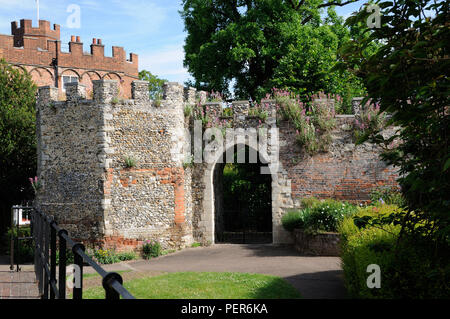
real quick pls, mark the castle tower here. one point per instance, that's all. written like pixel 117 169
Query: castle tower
pixel 43 33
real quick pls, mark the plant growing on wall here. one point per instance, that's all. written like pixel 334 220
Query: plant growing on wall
pixel 313 122
pixel 370 119
pixel 259 111
pixel 130 162
pixel 188 110
pixel 215 97
pixel 228 112
pixel 35 184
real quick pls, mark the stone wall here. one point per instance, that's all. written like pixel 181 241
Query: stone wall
pixel 323 244
pixel 83 146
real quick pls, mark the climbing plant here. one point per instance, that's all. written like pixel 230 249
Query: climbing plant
pixel 313 122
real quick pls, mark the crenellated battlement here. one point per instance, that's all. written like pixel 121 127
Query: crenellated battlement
pixel 38 50
pixel 106 92
pixel 42 33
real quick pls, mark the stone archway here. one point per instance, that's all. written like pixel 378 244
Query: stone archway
pixel 207 219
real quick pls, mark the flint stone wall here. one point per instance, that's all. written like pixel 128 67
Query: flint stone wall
pixel 83 146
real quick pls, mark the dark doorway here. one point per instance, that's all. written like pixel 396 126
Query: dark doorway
pixel 243 203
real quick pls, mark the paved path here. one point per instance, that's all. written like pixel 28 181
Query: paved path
pixel 314 277
pixel 17 285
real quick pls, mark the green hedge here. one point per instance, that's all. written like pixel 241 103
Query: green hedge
pixel 408 270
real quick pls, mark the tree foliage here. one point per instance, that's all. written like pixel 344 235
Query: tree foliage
pixel 408 76
pixel 17 136
pixel 156 84
pixel 261 44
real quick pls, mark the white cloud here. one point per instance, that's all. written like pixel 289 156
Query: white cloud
pixel 166 62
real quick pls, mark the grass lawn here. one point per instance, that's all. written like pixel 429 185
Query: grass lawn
pixel 205 285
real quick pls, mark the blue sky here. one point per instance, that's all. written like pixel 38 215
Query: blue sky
pixel 151 28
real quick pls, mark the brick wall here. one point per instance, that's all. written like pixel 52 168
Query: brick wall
pixel 38 51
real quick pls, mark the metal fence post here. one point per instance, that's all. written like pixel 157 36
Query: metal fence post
pixel 46 255
pixel 11 267
pixel 78 260
pixel 107 281
pixel 40 251
pixel 62 264
pixel 17 240
pixel 52 258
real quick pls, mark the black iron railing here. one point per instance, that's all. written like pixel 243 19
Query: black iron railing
pixel 47 237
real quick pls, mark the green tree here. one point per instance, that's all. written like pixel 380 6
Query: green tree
pixel 17 138
pixel 408 76
pixel 261 44
pixel 156 84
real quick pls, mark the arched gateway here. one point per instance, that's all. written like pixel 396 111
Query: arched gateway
pixel 114 172
pixel 210 197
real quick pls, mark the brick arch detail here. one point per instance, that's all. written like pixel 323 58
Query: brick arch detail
pixel 20 68
pixel 107 76
pixel 44 76
pixel 70 70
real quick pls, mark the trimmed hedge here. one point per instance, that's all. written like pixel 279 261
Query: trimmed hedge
pixel 407 270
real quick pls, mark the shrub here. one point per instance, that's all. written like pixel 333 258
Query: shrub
pixel 407 270
pixel 151 249
pixel 128 255
pixel 387 195
pixel 70 259
pixel 292 220
pixel 363 248
pixel 26 250
pixel 325 215
pixel 318 215
pixel 109 256
pixel 105 256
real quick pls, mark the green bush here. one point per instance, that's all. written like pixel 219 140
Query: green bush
pixel 109 256
pixel 318 215
pixel 26 250
pixel 293 220
pixel 151 249
pixel 406 267
pixel 387 195
pixel 129 255
pixel 69 257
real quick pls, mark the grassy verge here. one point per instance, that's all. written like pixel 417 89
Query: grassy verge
pixel 205 285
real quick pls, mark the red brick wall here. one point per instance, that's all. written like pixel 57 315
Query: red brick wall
pixel 21 48
pixel 346 172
